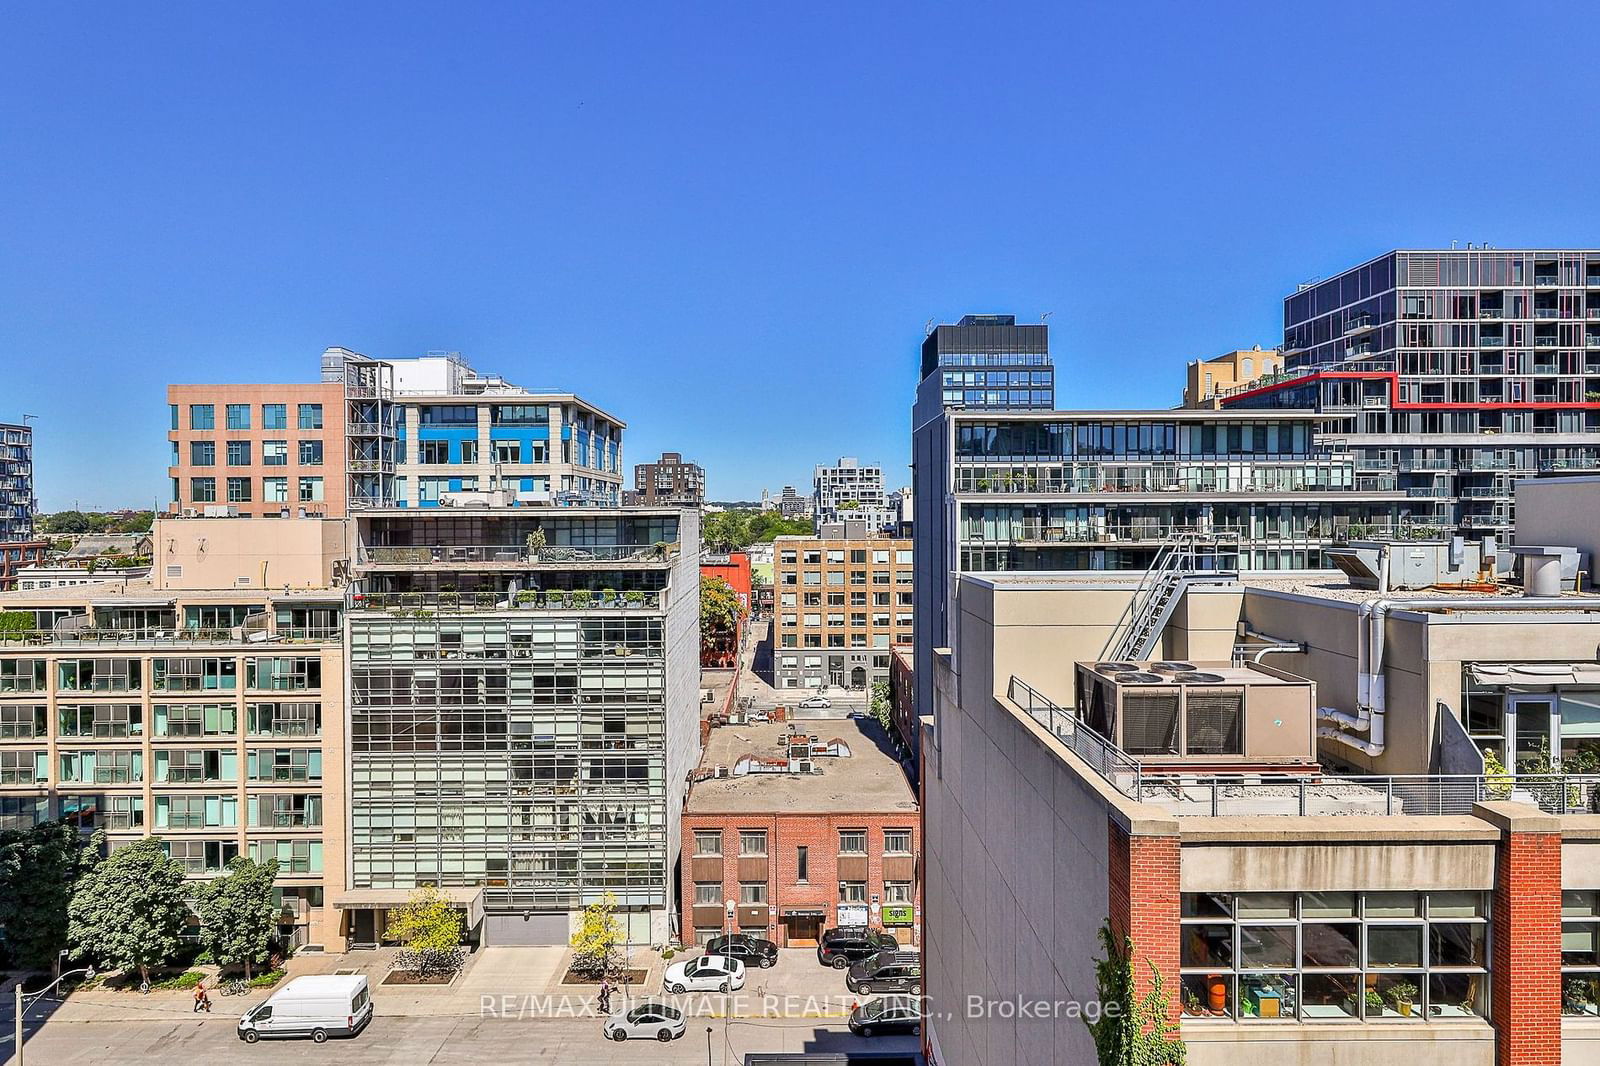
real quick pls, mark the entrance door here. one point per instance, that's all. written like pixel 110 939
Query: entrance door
pixel 364 928
pixel 858 677
pixel 803 930
pixel 1534 726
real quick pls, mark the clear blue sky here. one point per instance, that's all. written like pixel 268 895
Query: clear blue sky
pixel 728 223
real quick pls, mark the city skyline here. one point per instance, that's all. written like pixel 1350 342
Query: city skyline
pixel 566 207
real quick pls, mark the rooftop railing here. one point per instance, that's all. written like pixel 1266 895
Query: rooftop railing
pixel 1301 795
pixel 456 554
pixel 528 599
pixel 166 638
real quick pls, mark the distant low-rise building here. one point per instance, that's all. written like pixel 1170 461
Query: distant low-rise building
pixel 15 555
pixel 843 600
pixel 1208 378
pixel 669 479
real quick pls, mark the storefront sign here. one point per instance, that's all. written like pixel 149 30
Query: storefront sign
pixel 853 914
pixel 898 914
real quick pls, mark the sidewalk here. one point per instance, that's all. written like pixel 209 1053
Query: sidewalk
pixel 492 973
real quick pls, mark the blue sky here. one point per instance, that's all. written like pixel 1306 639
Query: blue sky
pixel 729 223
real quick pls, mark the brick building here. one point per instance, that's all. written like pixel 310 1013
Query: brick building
pixel 734 569
pixel 670 479
pixel 793 828
pixel 903 700
pixel 843 599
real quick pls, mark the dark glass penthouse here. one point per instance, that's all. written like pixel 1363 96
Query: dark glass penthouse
pixel 989 361
pixel 1449 374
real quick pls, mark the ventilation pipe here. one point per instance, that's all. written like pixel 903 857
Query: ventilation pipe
pixel 1371 704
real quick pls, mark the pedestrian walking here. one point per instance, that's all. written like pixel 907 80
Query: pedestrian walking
pixel 202 999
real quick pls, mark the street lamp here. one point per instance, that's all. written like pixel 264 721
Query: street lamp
pixel 24 1000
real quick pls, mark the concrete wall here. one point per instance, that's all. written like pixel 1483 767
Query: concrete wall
pixel 683 697
pixel 225 553
pixel 1562 511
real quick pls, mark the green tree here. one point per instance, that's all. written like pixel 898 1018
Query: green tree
pixel 594 945
pixel 879 703
pixel 428 927
pixel 1132 1031
pixel 130 911
pixel 720 611
pixel 38 868
pixel 15 621
pixel 64 522
pixel 239 919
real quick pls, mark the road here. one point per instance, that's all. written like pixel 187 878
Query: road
pixel 416 1041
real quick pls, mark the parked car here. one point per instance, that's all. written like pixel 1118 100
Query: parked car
pixel 317 1006
pixel 887 971
pixel 887 1015
pixel 645 1021
pixel 708 973
pixel 845 944
pixel 814 701
pixel 750 950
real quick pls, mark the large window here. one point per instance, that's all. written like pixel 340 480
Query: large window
pixel 284 719
pixel 202 416
pixel 753 842
pixel 708 842
pixel 203 489
pixel 1580 954
pixel 293 674
pixel 193 675
pixel 274 416
pixel 238 416
pixel 441 414
pixel 275 453
pixel 202 453
pixel 1401 957
pixel 238 490
pixel 311 416
pixel 22 675
pixel 98 675
pixel 311 453
pixel 22 721
pixel 104 720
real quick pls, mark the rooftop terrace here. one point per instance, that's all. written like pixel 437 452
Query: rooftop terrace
pixel 869 779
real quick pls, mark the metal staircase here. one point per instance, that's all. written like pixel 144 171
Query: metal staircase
pixel 1183 558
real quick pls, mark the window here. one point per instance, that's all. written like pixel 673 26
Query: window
pixel 193 675
pixel 802 863
pixel 1402 957
pixel 852 891
pixel 98 675
pixel 507 451
pixel 202 416
pixel 284 764
pixel 23 767
pixel 469 452
pixel 274 490
pixel 897 842
pixel 238 490
pixel 274 453
pixel 202 856
pixel 310 416
pixel 708 893
pixel 753 842
pixel 102 767
pixel 519 414
pixel 274 416
pixel 22 721
pixel 433 452
pixel 852 842
pixel 311 453
pixel 448 414
pixel 202 453
pixel 311 490
pixel 238 453
pixel 104 720
pixel 708 842
pixel 238 416
pixel 22 675
pixel 196 719
pixel 203 489
pixel 897 891
pixel 172 413
pixel 1580 954
pixel 197 812
pixel 752 892
pixel 196 765
pixel 288 674
pixel 284 719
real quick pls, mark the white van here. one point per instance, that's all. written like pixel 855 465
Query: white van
pixel 318 1006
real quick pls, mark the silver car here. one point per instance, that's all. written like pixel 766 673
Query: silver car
pixel 648 1020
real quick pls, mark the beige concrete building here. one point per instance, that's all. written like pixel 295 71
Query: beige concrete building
pixel 213 720
pixel 1435 914
pixel 229 553
pixel 841 603
pixel 1208 378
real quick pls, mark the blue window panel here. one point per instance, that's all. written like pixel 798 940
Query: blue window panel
pixel 455 484
pixel 527 484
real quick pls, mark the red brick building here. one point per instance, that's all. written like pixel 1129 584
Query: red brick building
pixel 793 828
pixel 14 555
pixel 903 700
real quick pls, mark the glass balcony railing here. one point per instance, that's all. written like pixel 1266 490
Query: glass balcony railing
pixel 447 555
pixel 528 599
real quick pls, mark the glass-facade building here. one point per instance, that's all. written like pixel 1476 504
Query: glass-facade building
pixel 989 361
pixel 1450 375
pixel 16 482
pixel 523 699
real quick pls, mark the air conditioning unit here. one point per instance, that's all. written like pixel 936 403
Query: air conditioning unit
pixel 191 512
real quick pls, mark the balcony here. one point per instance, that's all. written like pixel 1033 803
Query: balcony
pixel 426 603
pixel 1570 463
pixel 1546 312
pixel 1424 464
pixel 514 556
pixel 1359 324
pixel 167 640
pixel 1545 342
pixel 1428 492
pixel 1546 281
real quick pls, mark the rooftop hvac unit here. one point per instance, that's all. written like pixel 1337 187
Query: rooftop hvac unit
pixel 1172 667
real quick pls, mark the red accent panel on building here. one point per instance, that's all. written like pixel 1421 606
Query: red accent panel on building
pixel 736 572
pixel 1145 903
pixel 1525 968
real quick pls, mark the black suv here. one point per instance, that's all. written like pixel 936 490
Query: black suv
pixel 750 950
pixel 891 1014
pixel 887 971
pixel 844 944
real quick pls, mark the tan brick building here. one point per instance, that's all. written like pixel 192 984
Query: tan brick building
pixel 793 828
pixel 841 603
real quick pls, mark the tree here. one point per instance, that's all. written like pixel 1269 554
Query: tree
pixel 1129 1031
pixel 13 622
pixel 879 703
pixel 38 868
pixel 594 945
pixel 130 911
pixel 239 919
pixel 429 930
pixel 720 611
pixel 724 531
pixel 65 522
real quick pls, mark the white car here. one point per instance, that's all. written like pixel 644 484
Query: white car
pixel 646 1021
pixel 708 973
pixel 815 701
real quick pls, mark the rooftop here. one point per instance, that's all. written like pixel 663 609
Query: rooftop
pixel 869 779
pixel 1328 585
pixel 127 591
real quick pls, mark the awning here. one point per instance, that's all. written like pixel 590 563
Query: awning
pixel 1536 673
pixel 469 899
pixel 805 914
